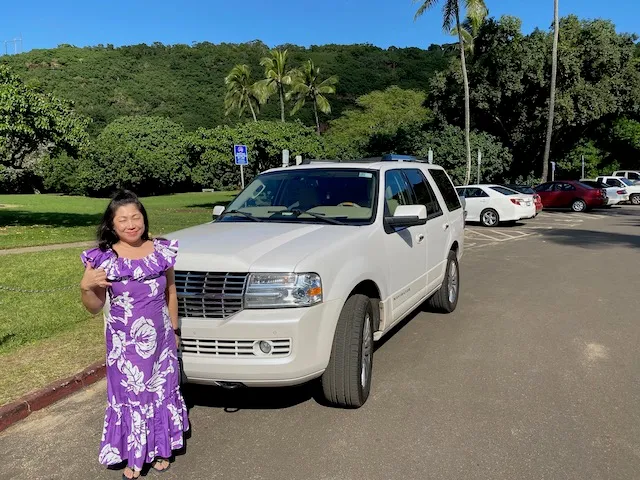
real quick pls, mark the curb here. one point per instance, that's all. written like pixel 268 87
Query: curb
pixel 22 408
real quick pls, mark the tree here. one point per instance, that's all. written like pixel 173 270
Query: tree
pixel 476 9
pixel 306 84
pixel 242 92
pixel 552 93
pixel 211 150
pixel 373 128
pixel 277 76
pixel 145 154
pixel 34 123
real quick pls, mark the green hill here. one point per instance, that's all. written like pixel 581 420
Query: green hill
pixel 186 83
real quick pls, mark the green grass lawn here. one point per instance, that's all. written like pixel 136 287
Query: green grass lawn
pixel 47 336
pixel 29 220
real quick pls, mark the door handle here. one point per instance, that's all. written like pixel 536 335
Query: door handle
pixel 420 238
pixel 445 226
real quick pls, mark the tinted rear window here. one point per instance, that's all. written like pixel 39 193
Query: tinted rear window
pixel 446 188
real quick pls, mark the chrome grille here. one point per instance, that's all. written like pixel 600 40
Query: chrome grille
pixel 234 348
pixel 209 294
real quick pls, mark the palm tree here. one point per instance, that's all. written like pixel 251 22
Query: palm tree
pixel 552 94
pixel 476 9
pixel 307 85
pixel 470 30
pixel 241 92
pixel 277 76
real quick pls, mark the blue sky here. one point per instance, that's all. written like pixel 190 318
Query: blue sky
pixel 46 24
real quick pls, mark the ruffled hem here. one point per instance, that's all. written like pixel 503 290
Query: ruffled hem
pixel 162 258
pixel 137 434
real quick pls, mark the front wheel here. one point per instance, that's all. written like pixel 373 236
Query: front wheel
pixel 445 299
pixel 346 382
pixel 579 205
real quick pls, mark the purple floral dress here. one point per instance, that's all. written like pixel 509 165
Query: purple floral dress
pixel 146 414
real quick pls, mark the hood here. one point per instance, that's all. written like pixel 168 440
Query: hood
pixel 240 247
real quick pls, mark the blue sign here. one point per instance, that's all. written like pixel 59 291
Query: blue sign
pixel 241 155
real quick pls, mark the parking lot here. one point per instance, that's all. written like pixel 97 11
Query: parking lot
pixel 535 375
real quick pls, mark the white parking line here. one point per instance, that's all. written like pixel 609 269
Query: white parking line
pixel 493 235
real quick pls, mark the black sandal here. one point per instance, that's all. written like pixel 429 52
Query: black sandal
pixel 158 459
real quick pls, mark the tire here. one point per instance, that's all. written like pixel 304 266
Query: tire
pixel 445 299
pixel 489 218
pixel 579 205
pixel 346 382
pixel 635 199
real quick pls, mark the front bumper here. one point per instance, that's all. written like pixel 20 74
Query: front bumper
pixel 217 351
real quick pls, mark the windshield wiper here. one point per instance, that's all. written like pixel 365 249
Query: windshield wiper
pixel 239 212
pixel 298 212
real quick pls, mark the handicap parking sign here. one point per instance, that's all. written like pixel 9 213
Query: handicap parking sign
pixel 240 154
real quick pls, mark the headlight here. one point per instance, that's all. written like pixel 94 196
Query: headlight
pixel 279 290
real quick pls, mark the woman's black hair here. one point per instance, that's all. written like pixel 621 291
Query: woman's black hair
pixel 107 235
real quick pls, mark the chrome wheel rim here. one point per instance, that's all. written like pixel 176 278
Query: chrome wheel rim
pixel 453 283
pixel 578 206
pixel 635 200
pixel 490 218
pixel 367 350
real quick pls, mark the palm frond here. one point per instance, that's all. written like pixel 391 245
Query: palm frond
pixel 424 6
pixel 450 12
pixel 323 104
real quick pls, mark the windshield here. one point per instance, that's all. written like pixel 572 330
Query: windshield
pixel 626 181
pixel 319 195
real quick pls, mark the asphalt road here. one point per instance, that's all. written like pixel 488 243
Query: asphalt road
pixel 535 376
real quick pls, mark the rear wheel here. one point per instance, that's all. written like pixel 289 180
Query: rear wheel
pixel 445 299
pixel 579 205
pixel 489 218
pixel 347 380
pixel 635 199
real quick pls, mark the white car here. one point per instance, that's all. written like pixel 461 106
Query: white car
pixel 633 175
pixel 491 204
pixel 311 264
pixel 615 195
pixel 632 188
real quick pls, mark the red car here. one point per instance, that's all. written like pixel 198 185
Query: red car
pixel 529 191
pixel 572 194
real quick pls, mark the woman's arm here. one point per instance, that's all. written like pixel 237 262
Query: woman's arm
pixel 94 285
pixel 172 297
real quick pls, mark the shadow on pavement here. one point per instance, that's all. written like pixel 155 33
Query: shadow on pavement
pixel 590 238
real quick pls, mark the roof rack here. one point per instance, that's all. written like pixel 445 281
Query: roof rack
pixel 390 157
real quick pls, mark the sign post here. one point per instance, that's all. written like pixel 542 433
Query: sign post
pixel 430 156
pixel 285 158
pixel 479 161
pixel 582 166
pixel 242 158
pixel 553 171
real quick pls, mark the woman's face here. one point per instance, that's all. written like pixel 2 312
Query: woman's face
pixel 128 223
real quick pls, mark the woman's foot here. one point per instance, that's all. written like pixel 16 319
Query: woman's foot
pixel 161 464
pixel 130 473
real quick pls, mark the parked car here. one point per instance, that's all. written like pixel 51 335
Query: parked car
pixel 572 194
pixel 492 204
pixel 615 195
pixel 629 185
pixel 529 191
pixel 633 175
pixel 309 265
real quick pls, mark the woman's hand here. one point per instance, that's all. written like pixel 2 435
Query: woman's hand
pixel 93 278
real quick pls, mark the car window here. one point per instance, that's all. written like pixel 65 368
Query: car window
pixel 504 191
pixel 443 182
pixel 614 182
pixel 397 191
pixel 423 192
pixel 460 191
pixel 566 187
pixel 633 176
pixel 545 187
pixel 625 181
pixel 475 192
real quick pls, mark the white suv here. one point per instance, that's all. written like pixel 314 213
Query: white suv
pixel 308 266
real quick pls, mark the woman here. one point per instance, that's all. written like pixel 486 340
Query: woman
pixel 131 277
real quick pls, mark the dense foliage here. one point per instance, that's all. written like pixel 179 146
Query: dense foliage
pixel 164 119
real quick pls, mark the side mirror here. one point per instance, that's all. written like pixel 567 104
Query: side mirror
pixel 407 216
pixel 217 211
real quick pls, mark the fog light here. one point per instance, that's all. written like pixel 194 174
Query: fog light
pixel 265 347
